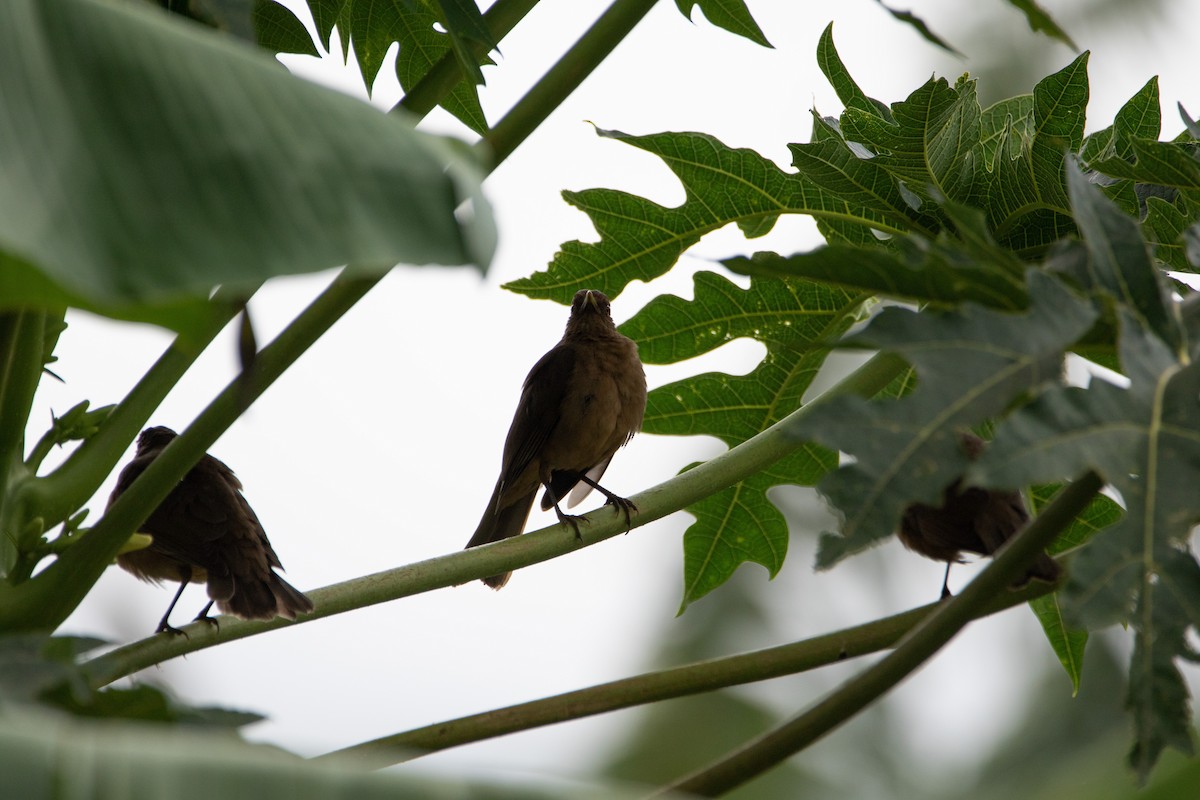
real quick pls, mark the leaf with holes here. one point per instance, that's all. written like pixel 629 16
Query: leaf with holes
pixel 795 320
pixel 641 240
pixel 372 26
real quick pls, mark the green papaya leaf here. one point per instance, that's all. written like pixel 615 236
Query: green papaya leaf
pixel 1069 640
pixel 731 15
pixel 641 240
pixel 1140 572
pixel 1041 22
pixel 970 364
pixel 921 27
pixel 795 320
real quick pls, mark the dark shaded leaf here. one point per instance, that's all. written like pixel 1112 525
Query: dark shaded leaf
pixel 909 18
pixel 1041 22
pixel 1140 572
pixel 277 29
pixel 971 364
pixel 1119 262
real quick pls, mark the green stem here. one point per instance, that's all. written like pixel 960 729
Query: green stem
pixel 443 76
pixel 60 493
pixel 705 676
pixel 43 603
pixel 22 356
pixel 725 470
pixel 563 78
pixel 927 638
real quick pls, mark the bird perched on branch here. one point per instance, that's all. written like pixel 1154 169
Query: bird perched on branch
pixel 582 401
pixel 975 520
pixel 205 531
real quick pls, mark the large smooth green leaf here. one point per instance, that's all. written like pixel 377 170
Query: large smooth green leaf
pixel 144 161
pixel 795 320
pixel 55 756
pixel 970 365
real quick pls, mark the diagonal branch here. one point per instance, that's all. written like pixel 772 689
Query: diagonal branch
pixel 704 676
pixel 767 751
pixel 725 470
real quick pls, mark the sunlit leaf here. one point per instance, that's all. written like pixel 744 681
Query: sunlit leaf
pixel 795 320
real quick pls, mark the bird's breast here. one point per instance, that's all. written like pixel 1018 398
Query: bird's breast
pixel 603 407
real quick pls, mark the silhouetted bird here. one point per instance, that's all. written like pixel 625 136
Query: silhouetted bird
pixel 583 400
pixel 975 520
pixel 205 531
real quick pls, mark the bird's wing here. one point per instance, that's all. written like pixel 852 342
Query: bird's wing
pixel 538 412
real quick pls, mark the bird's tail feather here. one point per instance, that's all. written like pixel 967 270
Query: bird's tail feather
pixel 500 524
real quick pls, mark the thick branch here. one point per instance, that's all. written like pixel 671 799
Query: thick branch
pixel 705 676
pixel 443 76
pixel 725 470
pixel 767 751
pixel 563 78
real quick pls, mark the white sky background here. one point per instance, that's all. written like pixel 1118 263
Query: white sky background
pixel 381 446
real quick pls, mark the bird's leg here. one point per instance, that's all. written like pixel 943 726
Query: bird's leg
pixel 163 626
pixel 621 503
pixel 570 520
pixel 946 583
pixel 205 618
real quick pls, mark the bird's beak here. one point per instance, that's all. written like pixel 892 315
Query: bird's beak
pixel 591 300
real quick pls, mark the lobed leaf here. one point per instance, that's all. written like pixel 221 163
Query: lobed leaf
pixel 278 30
pixel 946 271
pixel 1141 571
pixel 1026 198
pixel 795 320
pixel 970 364
pixel 372 26
pixel 1066 639
pixel 1119 261
pixel 641 240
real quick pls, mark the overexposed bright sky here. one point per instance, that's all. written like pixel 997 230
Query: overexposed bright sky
pixel 381 446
